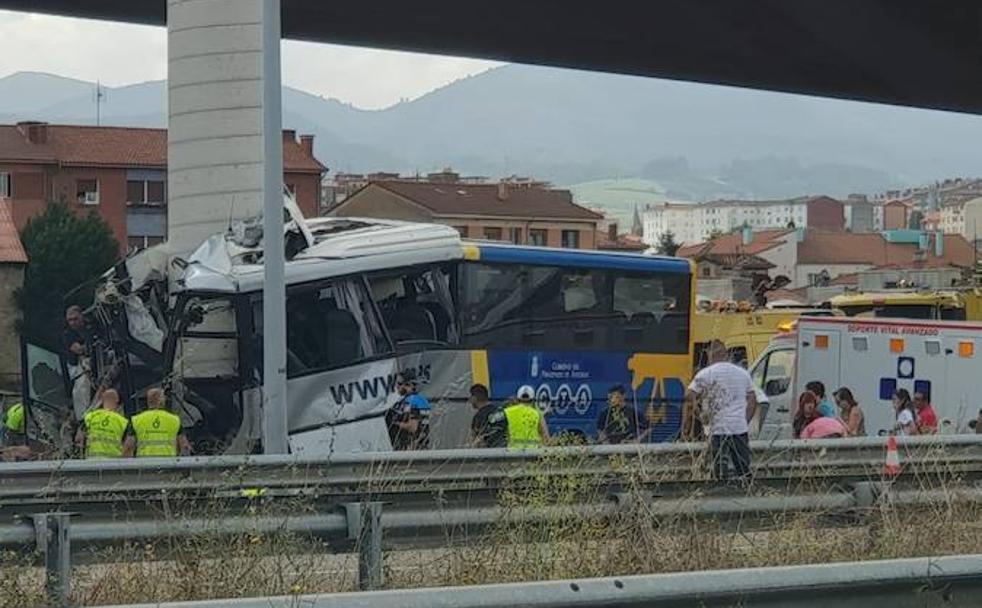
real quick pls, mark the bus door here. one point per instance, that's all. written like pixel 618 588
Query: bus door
pixel 47 396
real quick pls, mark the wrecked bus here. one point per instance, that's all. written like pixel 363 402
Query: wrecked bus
pixel 365 300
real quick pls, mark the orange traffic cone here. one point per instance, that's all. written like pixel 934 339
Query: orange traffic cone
pixel 892 466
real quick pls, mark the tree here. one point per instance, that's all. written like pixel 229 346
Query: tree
pixel 714 234
pixel 667 244
pixel 65 251
pixel 915 220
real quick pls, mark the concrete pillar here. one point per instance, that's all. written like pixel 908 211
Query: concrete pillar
pixel 215 112
pixel 225 153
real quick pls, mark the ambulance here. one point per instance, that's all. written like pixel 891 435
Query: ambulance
pixel 873 358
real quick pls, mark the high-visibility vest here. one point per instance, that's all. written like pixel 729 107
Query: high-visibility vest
pixel 14 421
pixel 523 425
pixel 104 430
pixel 156 433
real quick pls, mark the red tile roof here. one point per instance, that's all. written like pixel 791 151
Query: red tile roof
pixel 732 243
pixel 833 247
pixel 90 146
pixel 871 248
pixel 11 249
pixel 846 279
pixel 743 261
pixel 842 248
pixel 482 200
pixel 624 242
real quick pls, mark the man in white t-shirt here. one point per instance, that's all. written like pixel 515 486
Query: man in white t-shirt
pixel 724 394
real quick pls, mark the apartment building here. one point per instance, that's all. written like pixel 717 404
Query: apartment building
pixel 119 172
pixel 521 213
pixel 693 223
pixel 962 217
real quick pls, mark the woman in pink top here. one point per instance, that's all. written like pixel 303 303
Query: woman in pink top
pixel 824 427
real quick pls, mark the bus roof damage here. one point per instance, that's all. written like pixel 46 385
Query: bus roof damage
pixel 148 310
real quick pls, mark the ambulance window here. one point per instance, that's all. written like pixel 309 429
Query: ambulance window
pixel 860 343
pixel 953 314
pixel 932 347
pixel 757 374
pixel 777 375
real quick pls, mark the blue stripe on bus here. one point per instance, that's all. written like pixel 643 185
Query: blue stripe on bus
pixel 581 259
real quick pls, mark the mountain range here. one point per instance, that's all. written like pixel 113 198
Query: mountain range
pixel 693 141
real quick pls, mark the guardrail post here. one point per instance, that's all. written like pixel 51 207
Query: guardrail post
pixel 51 530
pixel 365 528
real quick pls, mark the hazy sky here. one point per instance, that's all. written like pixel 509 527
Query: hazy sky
pixel 119 54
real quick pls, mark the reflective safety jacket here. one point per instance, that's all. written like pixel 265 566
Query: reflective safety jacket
pixel 104 430
pixel 523 425
pixel 156 433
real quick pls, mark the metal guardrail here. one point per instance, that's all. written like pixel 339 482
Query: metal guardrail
pixel 448 470
pixel 429 493
pixel 951 581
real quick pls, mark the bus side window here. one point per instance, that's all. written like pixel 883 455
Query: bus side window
pixel 328 325
pixel 650 312
pixel 566 308
pixel 490 300
pixel 416 306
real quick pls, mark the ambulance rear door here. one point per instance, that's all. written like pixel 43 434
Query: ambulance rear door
pixel 819 355
pixel 960 400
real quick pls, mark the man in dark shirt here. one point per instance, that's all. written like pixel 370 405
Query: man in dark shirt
pixel 489 428
pixel 409 418
pixel 73 338
pixel 618 422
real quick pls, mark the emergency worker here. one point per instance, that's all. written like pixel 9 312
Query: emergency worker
pixel 488 426
pixel 525 423
pixel 103 429
pixel 13 424
pixel 157 432
pixel 408 420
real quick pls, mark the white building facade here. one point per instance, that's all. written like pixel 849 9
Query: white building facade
pixel 693 223
pixel 953 218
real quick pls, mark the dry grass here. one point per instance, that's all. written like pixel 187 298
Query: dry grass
pixel 638 540
pixel 627 538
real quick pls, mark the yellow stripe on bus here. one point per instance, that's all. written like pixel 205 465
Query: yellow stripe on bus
pixel 471 252
pixel 479 368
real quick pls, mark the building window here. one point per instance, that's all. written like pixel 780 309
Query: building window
pixel 570 239
pixel 6 190
pixel 144 192
pixel 537 237
pixel 462 230
pixel 135 243
pixel 516 236
pixel 87 191
pixel 492 234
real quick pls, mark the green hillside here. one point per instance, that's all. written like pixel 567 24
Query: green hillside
pixel 618 197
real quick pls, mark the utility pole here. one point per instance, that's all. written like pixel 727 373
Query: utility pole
pixel 100 94
pixel 274 259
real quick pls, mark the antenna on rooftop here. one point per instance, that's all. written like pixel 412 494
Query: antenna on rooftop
pixel 231 213
pixel 100 96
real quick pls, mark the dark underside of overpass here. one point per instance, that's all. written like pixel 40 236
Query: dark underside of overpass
pixel 924 53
